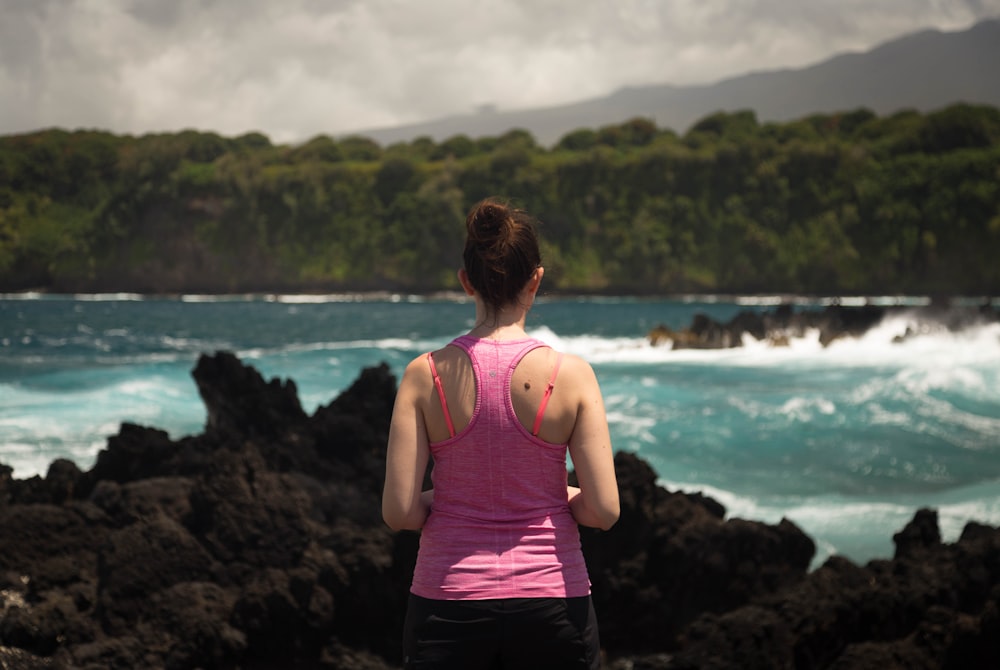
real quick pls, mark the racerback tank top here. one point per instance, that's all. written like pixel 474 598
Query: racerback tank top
pixel 500 525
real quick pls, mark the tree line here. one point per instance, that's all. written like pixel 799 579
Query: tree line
pixel 840 203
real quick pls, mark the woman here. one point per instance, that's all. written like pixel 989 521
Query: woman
pixel 500 580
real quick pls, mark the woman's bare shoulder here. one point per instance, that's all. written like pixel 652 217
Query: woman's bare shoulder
pixel 445 359
pixel 417 371
pixel 576 368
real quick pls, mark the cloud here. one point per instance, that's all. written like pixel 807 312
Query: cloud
pixel 299 68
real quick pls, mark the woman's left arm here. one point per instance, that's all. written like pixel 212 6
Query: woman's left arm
pixel 404 506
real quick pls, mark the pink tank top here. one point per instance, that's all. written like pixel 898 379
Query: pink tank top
pixel 500 525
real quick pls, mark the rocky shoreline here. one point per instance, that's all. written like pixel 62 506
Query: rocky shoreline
pixel 778 326
pixel 258 544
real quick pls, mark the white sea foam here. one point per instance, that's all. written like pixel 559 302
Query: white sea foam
pixel 388 343
pixel 145 359
pixel 630 425
pixel 944 418
pixel 805 409
pixel 109 297
pixel 940 352
pixel 794 409
pixel 207 297
pixel 26 295
pixel 319 299
pixel 847 301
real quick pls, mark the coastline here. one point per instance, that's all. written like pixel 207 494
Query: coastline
pixel 260 539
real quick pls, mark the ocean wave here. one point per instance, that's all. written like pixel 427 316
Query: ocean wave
pixel 977 345
pixel 388 343
pixel 795 409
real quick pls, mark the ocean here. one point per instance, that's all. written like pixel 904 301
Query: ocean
pixel 847 441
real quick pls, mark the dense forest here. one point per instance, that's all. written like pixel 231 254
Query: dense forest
pixel 842 203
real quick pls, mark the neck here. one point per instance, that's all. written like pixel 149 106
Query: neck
pixel 506 323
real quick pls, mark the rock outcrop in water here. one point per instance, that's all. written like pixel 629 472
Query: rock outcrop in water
pixel 259 544
pixel 833 322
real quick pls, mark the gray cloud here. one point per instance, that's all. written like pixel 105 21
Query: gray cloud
pixel 302 67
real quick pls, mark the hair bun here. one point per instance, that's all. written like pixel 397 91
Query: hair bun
pixel 491 224
pixel 501 251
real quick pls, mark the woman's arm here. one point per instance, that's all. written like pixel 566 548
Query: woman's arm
pixel 595 503
pixel 404 506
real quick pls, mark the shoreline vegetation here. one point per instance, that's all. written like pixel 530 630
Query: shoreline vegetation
pixel 258 543
pixel 846 203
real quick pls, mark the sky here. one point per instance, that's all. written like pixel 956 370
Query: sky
pixel 294 69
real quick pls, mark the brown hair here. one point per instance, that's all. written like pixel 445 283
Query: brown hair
pixel 501 251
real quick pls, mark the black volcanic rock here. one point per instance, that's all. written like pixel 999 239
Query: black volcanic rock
pixel 937 609
pixel 920 535
pixel 259 544
pixel 239 402
pixel 139 561
pixel 673 556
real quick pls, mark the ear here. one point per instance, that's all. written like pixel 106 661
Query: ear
pixel 463 279
pixel 536 280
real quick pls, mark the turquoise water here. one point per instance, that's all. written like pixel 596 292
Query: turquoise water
pixel 847 441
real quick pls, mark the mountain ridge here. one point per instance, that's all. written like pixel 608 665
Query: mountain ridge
pixel 925 70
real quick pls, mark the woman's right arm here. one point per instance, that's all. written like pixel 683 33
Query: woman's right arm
pixel 404 507
pixel 596 503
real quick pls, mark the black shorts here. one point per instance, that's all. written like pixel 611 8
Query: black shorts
pixel 522 633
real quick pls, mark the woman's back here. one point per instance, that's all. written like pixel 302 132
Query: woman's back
pixel 501 526
pixel 497 466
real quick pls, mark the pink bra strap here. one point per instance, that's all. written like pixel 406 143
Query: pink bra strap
pixel 440 390
pixel 545 398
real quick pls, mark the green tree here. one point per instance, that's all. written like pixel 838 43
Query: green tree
pixel 457 146
pixel 357 148
pixel 320 148
pixel 578 140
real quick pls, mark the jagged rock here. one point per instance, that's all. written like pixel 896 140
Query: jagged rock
pixel 249 516
pixel 919 535
pixel 32 533
pixel 18 659
pixel 278 623
pixel 928 610
pixel 194 618
pixel 61 483
pixel 673 556
pixel 239 402
pixel 135 453
pixel 129 502
pixel 141 560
